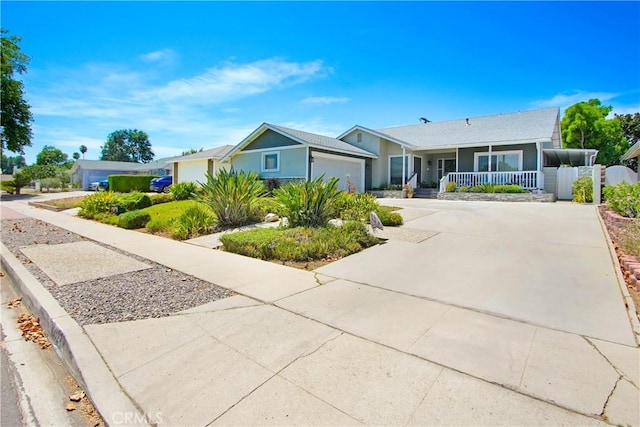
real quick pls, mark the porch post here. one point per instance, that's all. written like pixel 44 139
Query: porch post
pixel 490 172
pixel 538 164
pixel 404 168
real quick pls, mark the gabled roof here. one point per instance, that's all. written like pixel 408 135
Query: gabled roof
pixel 525 126
pixel 633 152
pixel 306 138
pixel 213 153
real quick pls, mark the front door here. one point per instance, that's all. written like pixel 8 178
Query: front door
pixel 445 166
pixel 417 167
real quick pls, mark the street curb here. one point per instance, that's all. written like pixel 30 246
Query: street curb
pixel 74 347
pixel 628 301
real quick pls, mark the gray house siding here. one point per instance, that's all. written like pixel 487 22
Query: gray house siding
pixel 270 139
pixel 529 155
pixel 293 163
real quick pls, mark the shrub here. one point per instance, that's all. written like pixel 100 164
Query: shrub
pixel 272 184
pixel 451 187
pixel 509 188
pixel 99 202
pixel 128 183
pixel 624 198
pixel 355 206
pixel 308 204
pixel 391 219
pixel 133 201
pixel 232 196
pixel 50 183
pixel 300 244
pixel 9 186
pixel 133 219
pixel 157 199
pixel 193 221
pixel 184 190
pixel 464 189
pixel 582 190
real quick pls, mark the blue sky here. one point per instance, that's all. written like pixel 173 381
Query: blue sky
pixel 204 74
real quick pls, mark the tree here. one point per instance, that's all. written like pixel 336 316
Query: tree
pixel 585 125
pixel 51 155
pixel 76 156
pixel 190 151
pixel 83 150
pixel 8 163
pixel 630 124
pixel 15 114
pixel 127 145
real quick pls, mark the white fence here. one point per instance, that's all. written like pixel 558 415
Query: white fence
pixel 529 180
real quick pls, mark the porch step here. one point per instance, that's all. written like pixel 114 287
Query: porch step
pixel 426 193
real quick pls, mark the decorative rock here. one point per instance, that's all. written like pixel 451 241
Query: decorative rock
pixel 337 222
pixel 271 217
pixel 284 222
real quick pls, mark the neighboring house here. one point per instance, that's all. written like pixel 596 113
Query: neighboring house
pixel 85 172
pixel 193 167
pixel 634 153
pixel 288 154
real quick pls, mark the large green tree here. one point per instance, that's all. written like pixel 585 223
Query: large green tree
pixel 15 116
pixel 51 155
pixel 127 145
pixel 585 125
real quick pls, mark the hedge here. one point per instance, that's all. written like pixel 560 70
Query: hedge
pixel 128 183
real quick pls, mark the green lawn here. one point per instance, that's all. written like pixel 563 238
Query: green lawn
pixel 163 214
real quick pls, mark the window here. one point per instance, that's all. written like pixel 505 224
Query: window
pixel 395 169
pixel 501 161
pixel 271 162
pixel 359 137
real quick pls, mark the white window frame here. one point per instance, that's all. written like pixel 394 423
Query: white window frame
pixel 478 154
pixel 408 165
pixel 263 161
pixel 440 165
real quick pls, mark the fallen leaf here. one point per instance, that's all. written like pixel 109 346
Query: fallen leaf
pixel 14 302
pixel 77 397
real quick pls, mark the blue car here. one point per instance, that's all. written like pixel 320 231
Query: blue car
pixel 161 184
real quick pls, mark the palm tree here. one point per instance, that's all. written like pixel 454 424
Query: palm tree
pixel 76 156
pixel 83 149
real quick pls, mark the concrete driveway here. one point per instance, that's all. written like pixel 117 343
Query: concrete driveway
pixel 543 264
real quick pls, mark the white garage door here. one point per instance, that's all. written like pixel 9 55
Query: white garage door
pixel 338 166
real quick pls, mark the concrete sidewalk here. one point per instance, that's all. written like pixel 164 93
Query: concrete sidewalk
pixel 297 347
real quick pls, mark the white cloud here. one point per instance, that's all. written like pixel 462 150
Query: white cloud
pixel 163 57
pixel 236 81
pixel 324 100
pixel 564 100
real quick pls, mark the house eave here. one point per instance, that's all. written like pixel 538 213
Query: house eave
pixel 633 152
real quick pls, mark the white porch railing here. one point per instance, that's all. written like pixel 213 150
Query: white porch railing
pixel 529 180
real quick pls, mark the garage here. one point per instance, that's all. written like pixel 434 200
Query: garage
pixel 332 165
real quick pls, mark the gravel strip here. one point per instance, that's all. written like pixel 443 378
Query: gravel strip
pixel 154 292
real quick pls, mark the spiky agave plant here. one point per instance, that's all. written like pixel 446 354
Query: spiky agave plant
pixel 232 195
pixel 308 204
